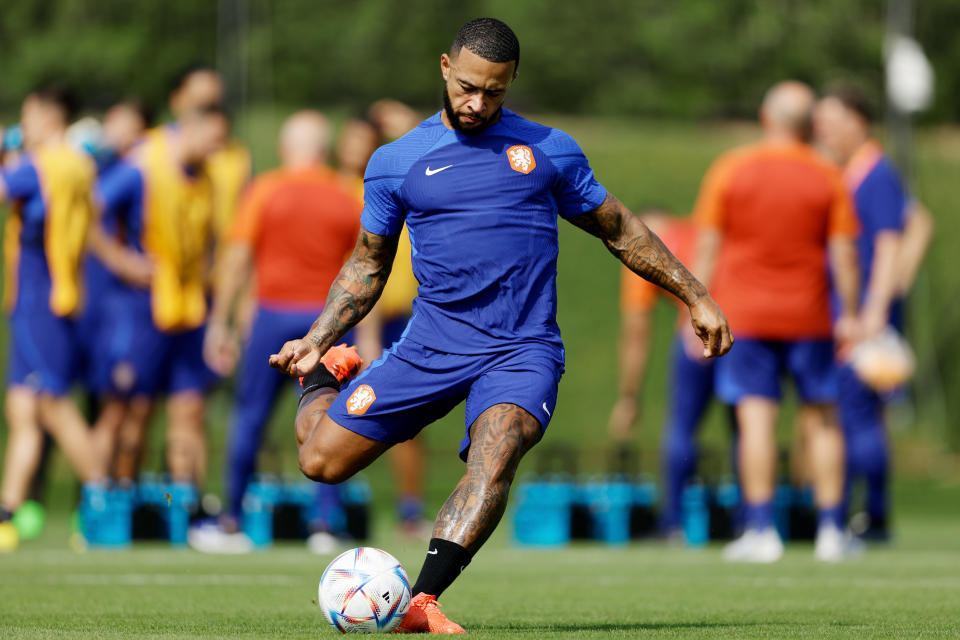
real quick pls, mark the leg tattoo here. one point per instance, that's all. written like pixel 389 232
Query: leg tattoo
pixel 499 439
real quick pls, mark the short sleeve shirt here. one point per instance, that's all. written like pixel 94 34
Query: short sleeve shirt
pixel 482 214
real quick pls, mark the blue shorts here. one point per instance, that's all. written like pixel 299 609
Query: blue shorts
pixel 411 386
pixel 137 359
pixel 754 368
pixel 45 353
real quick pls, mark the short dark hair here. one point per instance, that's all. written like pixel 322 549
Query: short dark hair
pixel 853 97
pixel 490 39
pixel 59 96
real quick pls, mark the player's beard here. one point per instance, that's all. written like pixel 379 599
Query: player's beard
pixel 454 119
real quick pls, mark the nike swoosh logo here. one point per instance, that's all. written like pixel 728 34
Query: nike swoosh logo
pixel 432 552
pixel 545 409
pixel 430 171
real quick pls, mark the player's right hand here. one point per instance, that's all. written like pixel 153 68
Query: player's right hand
pixel 297 358
pixel 711 327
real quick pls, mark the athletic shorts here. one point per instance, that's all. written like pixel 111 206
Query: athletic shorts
pixel 137 359
pixel 411 386
pixel 45 352
pixel 755 368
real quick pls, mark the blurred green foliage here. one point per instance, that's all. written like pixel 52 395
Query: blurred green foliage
pixel 697 58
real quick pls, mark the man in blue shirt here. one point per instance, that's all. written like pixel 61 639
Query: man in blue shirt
pixel 882 204
pixel 480 189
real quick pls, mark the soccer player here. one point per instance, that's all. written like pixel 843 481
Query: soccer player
pixel 843 119
pixel 50 191
pixel 772 212
pixel 691 378
pixel 156 236
pixel 480 189
pixel 293 272
pixel 197 87
pixel 389 317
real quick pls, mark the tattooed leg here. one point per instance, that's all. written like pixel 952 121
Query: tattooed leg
pixel 498 440
pixel 328 452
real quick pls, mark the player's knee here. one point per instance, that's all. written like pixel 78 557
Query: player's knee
pixel 322 467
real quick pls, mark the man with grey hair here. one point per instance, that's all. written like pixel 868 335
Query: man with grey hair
pixel 772 213
pixel 293 272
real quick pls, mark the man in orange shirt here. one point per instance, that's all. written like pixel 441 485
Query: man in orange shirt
pixel 773 213
pixel 293 272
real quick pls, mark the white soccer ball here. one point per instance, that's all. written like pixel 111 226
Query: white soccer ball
pixel 364 590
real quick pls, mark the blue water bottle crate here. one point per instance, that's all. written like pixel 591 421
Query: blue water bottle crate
pixel 259 502
pixel 542 514
pixel 611 498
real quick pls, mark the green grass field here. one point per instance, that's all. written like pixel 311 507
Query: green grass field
pixel 911 589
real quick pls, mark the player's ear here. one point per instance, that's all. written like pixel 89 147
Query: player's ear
pixel 444 66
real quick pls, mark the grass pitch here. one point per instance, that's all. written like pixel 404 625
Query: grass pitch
pixel 907 590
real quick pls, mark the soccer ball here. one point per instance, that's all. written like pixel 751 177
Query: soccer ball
pixel 883 362
pixel 364 590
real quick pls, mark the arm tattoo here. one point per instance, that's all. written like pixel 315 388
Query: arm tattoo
pixel 356 289
pixel 628 238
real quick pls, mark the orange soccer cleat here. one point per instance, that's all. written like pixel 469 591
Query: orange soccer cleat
pixel 343 362
pixel 425 616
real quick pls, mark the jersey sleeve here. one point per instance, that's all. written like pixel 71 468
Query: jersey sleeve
pixel 246 222
pixel 576 189
pixel 708 211
pixel 118 191
pixel 886 200
pixel 842 220
pixel 383 213
pixel 21 181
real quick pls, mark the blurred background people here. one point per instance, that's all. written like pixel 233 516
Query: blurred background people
pixel 690 384
pixel 843 118
pixel 156 236
pixel 296 226
pixel 50 189
pixel 771 213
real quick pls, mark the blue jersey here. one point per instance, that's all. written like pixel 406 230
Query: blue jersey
pixel 482 214
pixel 880 200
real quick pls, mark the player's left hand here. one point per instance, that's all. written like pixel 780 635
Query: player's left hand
pixel 711 327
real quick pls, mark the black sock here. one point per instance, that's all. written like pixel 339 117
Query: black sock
pixel 319 377
pixel 445 560
pixel 5 514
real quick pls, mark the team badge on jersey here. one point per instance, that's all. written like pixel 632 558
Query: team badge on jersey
pixel 521 158
pixel 360 400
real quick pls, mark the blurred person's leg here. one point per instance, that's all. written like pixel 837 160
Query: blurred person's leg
pixel 749 378
pixel 408 461
pixel 106 430
pixel 189 380
pixel 131 438
pixel 257 386
pixel 186 440
pixel 867 452
pixel 690 388
pixel 813 367
pixel 24 446
pixel 60 416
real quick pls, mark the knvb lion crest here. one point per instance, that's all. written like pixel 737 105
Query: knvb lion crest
pixel 360 400
pixel 521 158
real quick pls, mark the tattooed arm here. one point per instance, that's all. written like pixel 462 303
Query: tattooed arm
pixel 351 297
pixel 629 239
